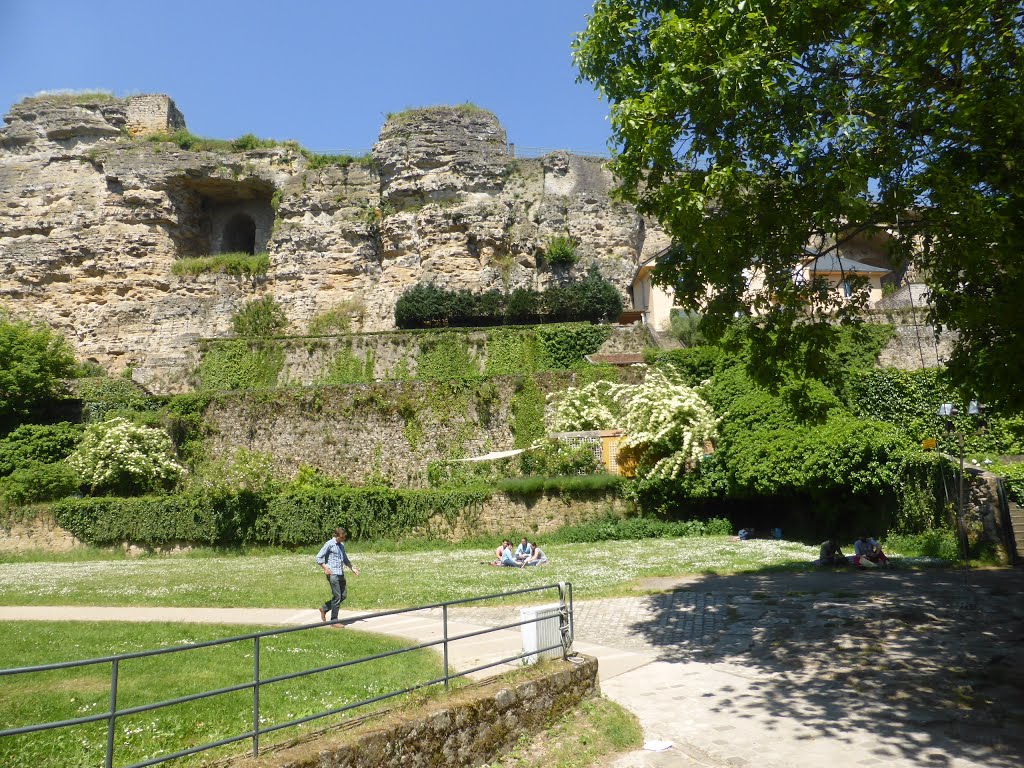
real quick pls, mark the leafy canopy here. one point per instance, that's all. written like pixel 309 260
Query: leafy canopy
pixel 753 128
pixel 33 362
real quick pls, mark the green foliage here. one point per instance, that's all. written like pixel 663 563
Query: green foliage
pixel 527 409
pixel 751 130
pixel 566 345
pixel 33 482
pixel 911 400
pixel 192 143
pixel 33 362
pixel 692 365
pixel 346 368
pixel 937 543
pixel 298 518
pixel 1013 479
pixel 315 160
pixel 259 318
pixel 103 397
pixel 37 443
pixel 240 364
pixel 515 351
pixel 550 459
pixel 238 264
pixel 445 357
pixel 337 319
pixel 124 458
pixel 566 484
pixel 592 299
pixel 632 528
pixel 685 328
pixel 561 252
pixel 244 471
pixel 73 97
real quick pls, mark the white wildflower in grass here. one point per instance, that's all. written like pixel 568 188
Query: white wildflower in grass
pixel 117 455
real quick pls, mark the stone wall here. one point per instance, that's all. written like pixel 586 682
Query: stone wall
pixel 40 534
pixel 468 728
pixel 153 113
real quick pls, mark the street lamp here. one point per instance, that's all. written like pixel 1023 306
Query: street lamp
pixel 949 412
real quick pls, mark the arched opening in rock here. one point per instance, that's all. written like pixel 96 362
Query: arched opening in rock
pixel 239 235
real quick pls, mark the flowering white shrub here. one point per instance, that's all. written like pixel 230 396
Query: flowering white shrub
pixel 584 408
pixel 119 456
pixel 667 423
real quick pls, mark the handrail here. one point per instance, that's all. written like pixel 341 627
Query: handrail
pixel 565 617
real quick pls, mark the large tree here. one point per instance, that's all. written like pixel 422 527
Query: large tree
pixel 751 128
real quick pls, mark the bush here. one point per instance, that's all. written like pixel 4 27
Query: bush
pixel 34 360
pixel 259 319
pixel 123 458
pixel 633 528
pixel 37 443
pixel 593 299
pixel 38 482
pixel 561 252
pixel 241 364
pixel 102 397
pixel 939 543
pixel 337 319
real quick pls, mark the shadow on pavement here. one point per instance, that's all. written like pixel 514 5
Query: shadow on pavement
pixel 929 662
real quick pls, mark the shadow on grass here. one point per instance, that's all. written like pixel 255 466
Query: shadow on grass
pixel 930 662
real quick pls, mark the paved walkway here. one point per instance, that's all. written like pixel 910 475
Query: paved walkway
pixel 776 670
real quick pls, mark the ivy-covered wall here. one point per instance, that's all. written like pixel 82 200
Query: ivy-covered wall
pixel 431 354
pixel 388 430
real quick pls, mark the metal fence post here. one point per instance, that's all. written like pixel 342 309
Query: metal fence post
pixel 256 697
pixel 444 634
pixel 113 716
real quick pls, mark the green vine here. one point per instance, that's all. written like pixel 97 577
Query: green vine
pixel 527 410
pixel 241 364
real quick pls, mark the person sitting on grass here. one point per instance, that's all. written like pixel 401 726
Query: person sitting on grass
pixel 830 554
pixel 508 560
pixel 524 551
pixel 867 553
pixel 537 557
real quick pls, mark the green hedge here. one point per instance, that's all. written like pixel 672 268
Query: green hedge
pixel 301 517
pixel 425 306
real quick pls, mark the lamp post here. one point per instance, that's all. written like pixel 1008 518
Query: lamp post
pixel 949 412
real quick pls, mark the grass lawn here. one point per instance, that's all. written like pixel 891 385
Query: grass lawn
pixel 386 580
pixel 66 694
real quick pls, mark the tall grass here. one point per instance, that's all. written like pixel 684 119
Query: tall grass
pixel 235 263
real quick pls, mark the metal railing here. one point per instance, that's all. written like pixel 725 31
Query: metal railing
pixel 565 619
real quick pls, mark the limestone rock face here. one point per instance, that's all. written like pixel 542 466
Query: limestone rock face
pixel 95 210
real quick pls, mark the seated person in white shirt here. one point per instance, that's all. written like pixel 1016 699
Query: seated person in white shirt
pixel 867 553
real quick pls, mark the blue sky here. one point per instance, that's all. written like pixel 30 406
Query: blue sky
pixel 322 72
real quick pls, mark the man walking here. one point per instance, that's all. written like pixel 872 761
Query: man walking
pixel 333 559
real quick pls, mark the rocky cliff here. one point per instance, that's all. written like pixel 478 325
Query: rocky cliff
pixel 96 206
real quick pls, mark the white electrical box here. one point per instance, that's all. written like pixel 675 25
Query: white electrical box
pixel 543 633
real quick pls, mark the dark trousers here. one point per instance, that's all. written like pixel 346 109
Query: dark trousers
pixel 339 591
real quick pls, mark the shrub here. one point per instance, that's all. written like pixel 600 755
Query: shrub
pixel 34 360
pixel 258 319
pixel 37 443
pixel 102 397
pixel 561 252
pixel 124 458
pixel 632 528
pixel 685 327
pixel 337 319
pixel 556 457
pixel 240 364
pixel 38 482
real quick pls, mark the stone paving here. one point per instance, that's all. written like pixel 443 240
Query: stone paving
pixel 894 668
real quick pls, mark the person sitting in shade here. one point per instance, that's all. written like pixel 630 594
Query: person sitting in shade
pixel 830 554
pixel 524 551
pixel 867 553
pixel 537 557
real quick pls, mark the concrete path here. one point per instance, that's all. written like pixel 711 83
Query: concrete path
pixel 897 669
